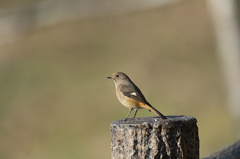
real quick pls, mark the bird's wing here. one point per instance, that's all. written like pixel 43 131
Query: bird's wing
pixel 132 91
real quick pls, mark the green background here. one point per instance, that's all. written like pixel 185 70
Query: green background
pixel 55 99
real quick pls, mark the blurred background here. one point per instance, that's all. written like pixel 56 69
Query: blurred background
pixel 55 55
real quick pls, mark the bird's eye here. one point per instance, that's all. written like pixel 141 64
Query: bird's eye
pixel 117 75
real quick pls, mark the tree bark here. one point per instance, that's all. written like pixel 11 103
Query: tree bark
pixel 154 138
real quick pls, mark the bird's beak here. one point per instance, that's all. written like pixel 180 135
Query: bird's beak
pixel 109 77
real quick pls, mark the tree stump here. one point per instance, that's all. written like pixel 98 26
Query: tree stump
pixel 230 152
pixel 154 138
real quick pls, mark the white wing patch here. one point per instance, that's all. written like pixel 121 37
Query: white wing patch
pixel 134 93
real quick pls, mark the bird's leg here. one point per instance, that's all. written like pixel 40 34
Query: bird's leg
pixel 128 113
pixel 135 113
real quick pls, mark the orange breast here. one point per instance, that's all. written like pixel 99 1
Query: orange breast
pixel 128 102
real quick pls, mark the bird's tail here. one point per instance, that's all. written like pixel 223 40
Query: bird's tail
pixel 154 110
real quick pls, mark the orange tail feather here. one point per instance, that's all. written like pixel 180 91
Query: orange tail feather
pixel 154 110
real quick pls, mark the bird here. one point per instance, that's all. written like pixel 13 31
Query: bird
pixel 130 95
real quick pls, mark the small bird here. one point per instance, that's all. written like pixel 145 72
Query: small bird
pixel 130 95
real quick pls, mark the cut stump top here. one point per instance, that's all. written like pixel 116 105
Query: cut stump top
pixel 171 120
